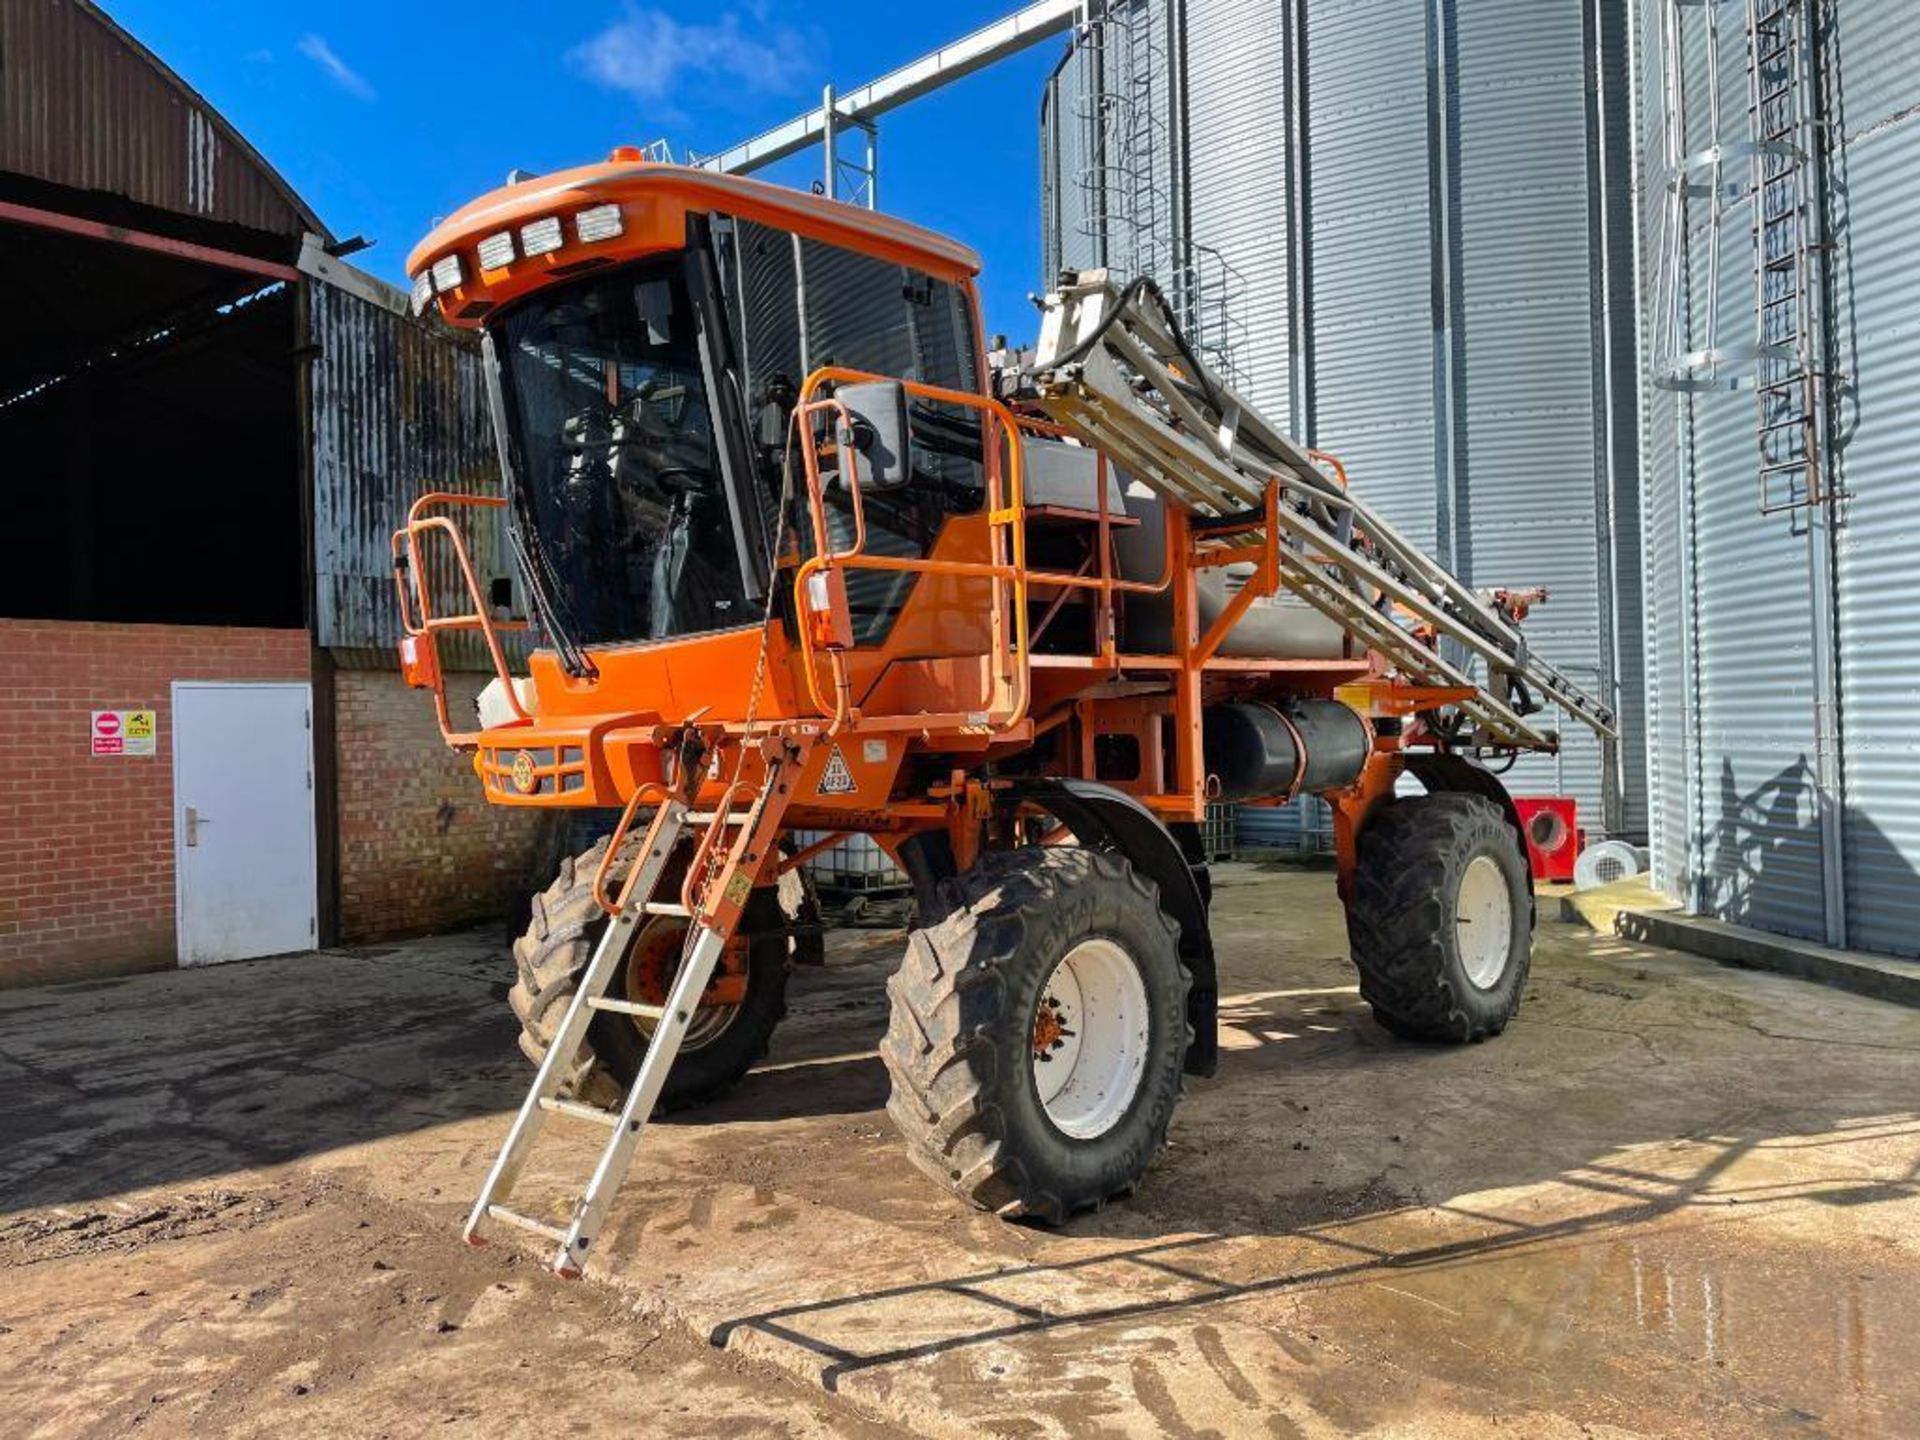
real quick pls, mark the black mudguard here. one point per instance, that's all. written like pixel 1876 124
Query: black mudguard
pixel 1103 818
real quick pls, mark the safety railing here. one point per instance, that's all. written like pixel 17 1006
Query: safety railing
pixel 660 798
pixel 1005 569
pixel 1104 583
pixel 420 643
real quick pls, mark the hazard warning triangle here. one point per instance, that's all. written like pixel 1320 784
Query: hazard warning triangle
pixel 837 779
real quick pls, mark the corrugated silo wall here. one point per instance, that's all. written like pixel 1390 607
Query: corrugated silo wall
pixel 1429 207
pixel 1741 604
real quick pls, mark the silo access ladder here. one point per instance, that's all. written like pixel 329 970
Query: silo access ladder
pixel 1113 368
pixel 730 845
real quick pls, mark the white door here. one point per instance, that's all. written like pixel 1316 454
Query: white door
pixel 242 819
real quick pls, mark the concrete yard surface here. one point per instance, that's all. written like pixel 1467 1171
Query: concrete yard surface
pixel 1673 1199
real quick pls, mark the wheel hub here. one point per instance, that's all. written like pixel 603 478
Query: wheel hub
pixel 652 963
pixel 1483 921
pixel 1090 1033
pixel 1050 1032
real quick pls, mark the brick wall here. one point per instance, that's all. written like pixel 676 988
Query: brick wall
pixel 86 844
pixel 419 848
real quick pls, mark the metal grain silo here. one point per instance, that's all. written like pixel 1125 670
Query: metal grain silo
pixel 1781 330
pixel 1422 217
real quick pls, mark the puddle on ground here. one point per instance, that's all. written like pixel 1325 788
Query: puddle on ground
pixel 1698 1320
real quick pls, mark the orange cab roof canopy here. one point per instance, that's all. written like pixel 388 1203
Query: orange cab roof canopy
pixel 516 238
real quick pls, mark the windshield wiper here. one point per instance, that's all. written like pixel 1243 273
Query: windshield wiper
pixel 523 534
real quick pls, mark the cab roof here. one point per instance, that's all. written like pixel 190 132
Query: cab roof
pixel 654 200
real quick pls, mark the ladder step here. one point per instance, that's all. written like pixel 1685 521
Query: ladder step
pixel 709 817
pixel 505 1216
pixel 626 1007
pixel 666 907
pixel 593 1114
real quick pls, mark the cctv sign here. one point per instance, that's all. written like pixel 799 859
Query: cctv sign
pixel 121 732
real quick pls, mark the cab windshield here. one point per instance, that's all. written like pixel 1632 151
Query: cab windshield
pixel 630 528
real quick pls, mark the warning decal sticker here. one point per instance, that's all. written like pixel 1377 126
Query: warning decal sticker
pixel 837 779
pixel 121 732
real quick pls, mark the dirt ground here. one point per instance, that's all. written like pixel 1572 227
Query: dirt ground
pixel 1672 1200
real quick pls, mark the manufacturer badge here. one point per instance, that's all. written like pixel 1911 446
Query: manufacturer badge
pixel 523 777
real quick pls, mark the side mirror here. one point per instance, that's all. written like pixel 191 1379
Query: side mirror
pixel 500 595
pixel 878 431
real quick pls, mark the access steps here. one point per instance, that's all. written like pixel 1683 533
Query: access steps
pixel 731 846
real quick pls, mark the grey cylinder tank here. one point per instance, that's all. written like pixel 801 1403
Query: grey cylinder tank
pixel 1410 227
pixel 1279 625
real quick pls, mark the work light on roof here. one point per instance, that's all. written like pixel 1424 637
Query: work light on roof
pixel 602 222
pixel 422 291
pixel 496 251
pixel 446 273
pixel 540 237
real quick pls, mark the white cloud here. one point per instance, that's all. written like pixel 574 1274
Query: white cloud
pixel 648 54
pixel 348 79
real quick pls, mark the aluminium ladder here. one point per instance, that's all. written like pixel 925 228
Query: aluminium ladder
pixel 720 880
pixel 1113 368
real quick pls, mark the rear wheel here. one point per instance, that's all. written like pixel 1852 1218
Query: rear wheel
pixel 1440 922
pixel 729 1032
pixel 1037 1032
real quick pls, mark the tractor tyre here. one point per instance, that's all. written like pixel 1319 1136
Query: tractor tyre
pixel 1441 918
pixel 1037 1032
pixel 721 1044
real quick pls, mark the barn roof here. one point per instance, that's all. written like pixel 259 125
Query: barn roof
pixel 85 106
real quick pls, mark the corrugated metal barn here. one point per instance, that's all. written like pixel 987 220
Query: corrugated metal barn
pixel 210 425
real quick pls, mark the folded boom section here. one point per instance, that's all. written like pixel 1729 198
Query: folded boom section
pixel 1113 368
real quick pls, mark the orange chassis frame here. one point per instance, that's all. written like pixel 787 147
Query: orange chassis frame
pixel 926 690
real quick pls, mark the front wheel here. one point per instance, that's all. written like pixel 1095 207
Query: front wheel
pixel 1037 1032
pixel 1440 920
pixel 729 1032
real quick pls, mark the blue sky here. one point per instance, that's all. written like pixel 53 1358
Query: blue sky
pixel 387 115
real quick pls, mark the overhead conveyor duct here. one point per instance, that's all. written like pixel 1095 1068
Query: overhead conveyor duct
pixel 860 107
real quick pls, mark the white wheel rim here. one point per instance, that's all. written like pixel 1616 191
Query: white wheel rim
pixel 1483 921
pixel 1089 1043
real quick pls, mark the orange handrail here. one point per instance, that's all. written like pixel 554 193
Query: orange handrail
pixel 421 624
pixel 1006 570
pixel 693 886
pixel 645 794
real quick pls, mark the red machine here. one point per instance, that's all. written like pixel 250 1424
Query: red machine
pixel 1550 823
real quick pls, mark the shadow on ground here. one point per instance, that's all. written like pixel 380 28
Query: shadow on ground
pixel 1670 1194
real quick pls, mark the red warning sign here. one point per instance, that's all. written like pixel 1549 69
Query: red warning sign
pixel 121 732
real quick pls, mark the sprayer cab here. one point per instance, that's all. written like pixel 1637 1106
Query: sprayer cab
pixel 647 332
